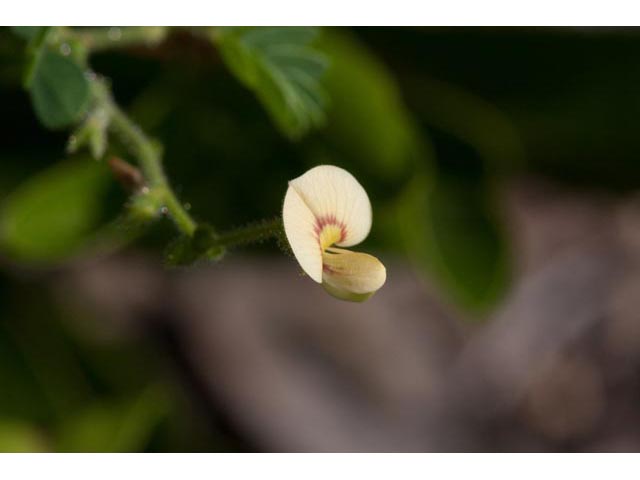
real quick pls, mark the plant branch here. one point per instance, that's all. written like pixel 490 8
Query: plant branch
pixel 176 210
pixel 256 232
pixel 134 139
pixel 148 156
pixel 147 152
pixel 96 39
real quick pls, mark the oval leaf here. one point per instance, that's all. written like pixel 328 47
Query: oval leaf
pixel 59 90
pixel 52 214
pixel 452 232
pixel 368 120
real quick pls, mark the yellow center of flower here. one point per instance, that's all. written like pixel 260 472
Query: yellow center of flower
pixel 330 234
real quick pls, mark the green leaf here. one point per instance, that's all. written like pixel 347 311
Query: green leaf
pixel 282 69
pixel 117 426
pixel 35 49
pixel 451 230
pixel 27 33
pixel 368 119
pixel 52 214
pixel 59 90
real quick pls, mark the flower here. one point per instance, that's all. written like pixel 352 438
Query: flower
pixel 326 208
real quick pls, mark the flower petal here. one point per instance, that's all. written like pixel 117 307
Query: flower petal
pixel 299 223
pixel 333 194
pixel 351 275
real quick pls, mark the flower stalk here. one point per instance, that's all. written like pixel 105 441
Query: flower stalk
pixel 148 155
pixel 253 233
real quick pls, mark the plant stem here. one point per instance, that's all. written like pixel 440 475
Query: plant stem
pixel 148 156
pixel 137 142
pixel 256 232
pixel 180 216
pixel 143 148
pixel 146 151
pixel 100 38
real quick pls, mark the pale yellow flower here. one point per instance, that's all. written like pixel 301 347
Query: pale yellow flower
pixel 324 209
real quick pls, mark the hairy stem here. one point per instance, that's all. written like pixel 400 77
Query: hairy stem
pixel 148 155
pixel 256 232
pixel 176 210
pixel 137 142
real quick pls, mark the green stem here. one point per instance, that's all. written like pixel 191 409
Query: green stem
pixel 99 38
pixel 137 142
pixel 207 244
pixel 256 232
pixel 180 216
pixel 148 156
pixel 144 149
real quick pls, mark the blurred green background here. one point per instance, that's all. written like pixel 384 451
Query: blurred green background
pixel 432 121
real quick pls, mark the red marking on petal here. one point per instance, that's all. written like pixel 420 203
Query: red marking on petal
pixel 327 220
